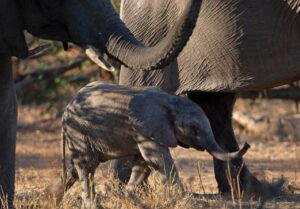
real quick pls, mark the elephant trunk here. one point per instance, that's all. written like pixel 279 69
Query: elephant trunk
pixel 217 152
pixel 227 156
pixel 123 46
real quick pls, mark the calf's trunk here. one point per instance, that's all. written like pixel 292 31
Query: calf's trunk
pixel 219 153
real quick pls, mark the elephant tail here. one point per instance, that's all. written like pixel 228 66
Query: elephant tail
pixel 63 158
pixel 69 176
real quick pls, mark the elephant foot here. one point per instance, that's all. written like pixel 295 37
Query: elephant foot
pixel 249 185
pixel 6 190
pixel 262 189
pixel 5 204
pixel 94 204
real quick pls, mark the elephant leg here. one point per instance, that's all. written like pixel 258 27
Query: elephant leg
pixel 218 108
pixel 85 186
pixel 160 159
pixel 8 128
pixel 122 168
pixel 86 167
pixel 139 174
pixel 94 197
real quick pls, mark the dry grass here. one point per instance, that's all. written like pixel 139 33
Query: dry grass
pixel 38 165
pixel 112 196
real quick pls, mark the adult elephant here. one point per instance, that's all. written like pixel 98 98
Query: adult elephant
pixel 88 22
pixel 237 45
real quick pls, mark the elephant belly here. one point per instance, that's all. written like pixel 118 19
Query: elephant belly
pixel 102 142
pixel 236 45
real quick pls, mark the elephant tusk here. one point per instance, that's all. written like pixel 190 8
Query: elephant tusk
pixel 98 59
pixel 39 49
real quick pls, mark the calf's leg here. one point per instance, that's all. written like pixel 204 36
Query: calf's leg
pixel 85 170
pixel 160 159
pixel 139 174
pixel 122 168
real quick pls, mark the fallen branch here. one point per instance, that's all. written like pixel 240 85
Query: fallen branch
pixel 290 93
pixel 83 76
pixel 58 70
pixel 284 127
pixel 256 125
pixel 49 74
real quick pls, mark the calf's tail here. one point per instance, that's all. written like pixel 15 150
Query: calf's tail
pixel 63 158
pixel 70 175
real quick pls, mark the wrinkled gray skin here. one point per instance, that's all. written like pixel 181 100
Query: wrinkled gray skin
pixel 88 22
pixel 237 45
pixel 8 124
pixel 106 121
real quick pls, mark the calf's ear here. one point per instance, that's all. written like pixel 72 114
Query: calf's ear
pixel 150 116
pixel 12 40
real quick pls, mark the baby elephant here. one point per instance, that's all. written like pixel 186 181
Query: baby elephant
pixel 106 121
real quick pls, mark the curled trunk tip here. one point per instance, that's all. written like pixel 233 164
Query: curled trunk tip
pixel 231 155
pixel 244 149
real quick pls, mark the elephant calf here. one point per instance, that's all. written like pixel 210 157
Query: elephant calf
pixel 106 121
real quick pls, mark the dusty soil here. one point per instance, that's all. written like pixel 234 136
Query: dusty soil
pixel 38 158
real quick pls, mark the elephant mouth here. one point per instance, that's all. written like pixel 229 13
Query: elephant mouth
pixel 183 145
pixel 57 32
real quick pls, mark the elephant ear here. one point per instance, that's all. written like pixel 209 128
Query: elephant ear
pixel 151 116
pixel 12 40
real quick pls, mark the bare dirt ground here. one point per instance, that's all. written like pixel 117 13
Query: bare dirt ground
pixel 38 163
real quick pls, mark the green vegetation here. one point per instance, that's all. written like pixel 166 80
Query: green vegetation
pixel 116 4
